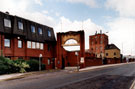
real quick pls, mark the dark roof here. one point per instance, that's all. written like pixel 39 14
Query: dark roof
pixel 26 32
pixel 72 32
pixel 111 46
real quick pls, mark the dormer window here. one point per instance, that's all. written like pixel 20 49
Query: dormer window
pixel 33 29
pixel 49 33
pixel 7 23
pixel 20 25
pixel 40 31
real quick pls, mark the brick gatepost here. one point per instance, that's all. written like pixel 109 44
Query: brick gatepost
pixel 79 36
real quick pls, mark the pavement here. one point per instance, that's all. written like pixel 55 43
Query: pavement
pixel 22 75
pixel 13 76
pixel 103 66
pixel 117 76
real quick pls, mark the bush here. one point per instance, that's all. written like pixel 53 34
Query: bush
pixel 34 65
pixel 6 66
pixel 21 65
pixel 14 66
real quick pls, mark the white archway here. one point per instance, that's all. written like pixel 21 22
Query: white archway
pixel 71 45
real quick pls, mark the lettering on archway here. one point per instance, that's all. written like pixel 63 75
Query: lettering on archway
pixel 65 38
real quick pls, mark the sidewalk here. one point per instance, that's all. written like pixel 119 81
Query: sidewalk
pixel 21 75
pixel 103 66
pixel 8 76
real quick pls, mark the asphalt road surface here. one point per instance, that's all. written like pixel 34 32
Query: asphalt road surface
pixel 117 77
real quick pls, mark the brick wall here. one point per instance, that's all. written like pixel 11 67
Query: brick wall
pixel 93 61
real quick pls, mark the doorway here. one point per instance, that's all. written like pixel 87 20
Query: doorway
pixel 63 63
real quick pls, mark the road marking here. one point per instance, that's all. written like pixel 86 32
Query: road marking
pixel 133 85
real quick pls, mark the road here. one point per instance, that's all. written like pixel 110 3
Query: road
pixel 116 77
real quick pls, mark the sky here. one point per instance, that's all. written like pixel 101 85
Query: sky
pixel 116 18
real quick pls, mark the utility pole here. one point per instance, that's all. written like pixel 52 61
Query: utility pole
pixel 122 47
pixel 40 56
pixel 77 55
pixel 61 26
pixel 82 25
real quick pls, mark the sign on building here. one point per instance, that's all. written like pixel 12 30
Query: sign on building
pixel 82 60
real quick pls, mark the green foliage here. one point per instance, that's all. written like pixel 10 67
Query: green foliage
pixel 34 65
pixel 21 65
pixel 6 65
pixel 14 66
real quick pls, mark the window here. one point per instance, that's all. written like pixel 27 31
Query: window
pixel 40 31
pixel 19 44
pixel 7 23
pixel 33 45
pixel 106 54
pixel 101 48
pixel 96 48
pixel 20 25
pixel 114 53
pixel 49 33
pixel 92 49
pixel 28 44
pixel 101 37
pixel 101 42
pixel 92 43
pixel 49 48
pixel 37 45
pixel 49 62
pixel 41 46
pixel 33 29
pixel 7 42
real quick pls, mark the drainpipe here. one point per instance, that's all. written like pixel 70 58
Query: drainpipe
pixel 1 46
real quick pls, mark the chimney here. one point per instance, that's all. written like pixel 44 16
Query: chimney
pixel 100 31
pixel 96 33
pixel 7 12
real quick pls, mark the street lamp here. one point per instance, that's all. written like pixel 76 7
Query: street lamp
pixel 76 53
pixel 40 56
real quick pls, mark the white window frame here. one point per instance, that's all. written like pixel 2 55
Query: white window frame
pixel 34 45
pixel 20 44
pixel 7 43
pixel 28 44
pixel 41 46
pixel 7 22
pixel 38 45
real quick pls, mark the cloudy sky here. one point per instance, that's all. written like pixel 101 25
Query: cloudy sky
pixel 117 17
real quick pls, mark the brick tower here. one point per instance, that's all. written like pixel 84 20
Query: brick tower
pixel 97 44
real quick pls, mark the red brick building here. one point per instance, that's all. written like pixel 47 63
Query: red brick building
pixel 97 44
pixel 24 39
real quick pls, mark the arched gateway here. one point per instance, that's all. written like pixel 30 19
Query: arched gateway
pixel 62 55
